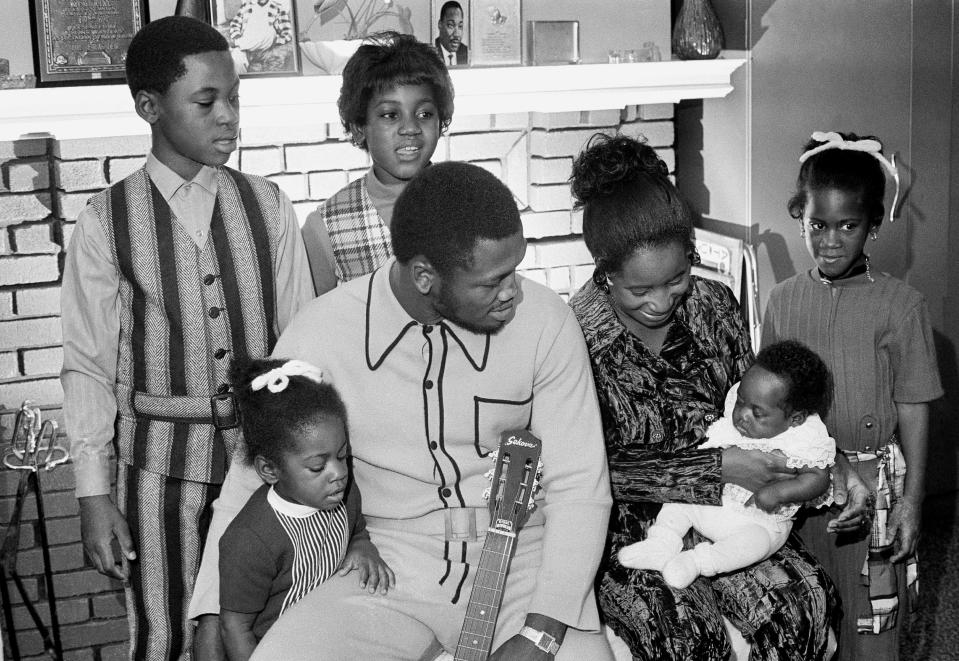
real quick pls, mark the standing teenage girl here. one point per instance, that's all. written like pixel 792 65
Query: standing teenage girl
pixel 395 103
pixel 873 331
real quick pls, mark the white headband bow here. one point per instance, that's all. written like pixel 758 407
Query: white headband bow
pixel 832 140
pixel 278 378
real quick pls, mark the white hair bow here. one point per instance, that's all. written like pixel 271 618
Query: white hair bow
pixel 278 378
pixel 832 140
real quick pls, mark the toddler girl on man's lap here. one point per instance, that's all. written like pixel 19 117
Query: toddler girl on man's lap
pixel 775 408
pixel 305 523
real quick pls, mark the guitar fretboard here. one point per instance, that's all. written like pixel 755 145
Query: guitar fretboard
pixel 476 637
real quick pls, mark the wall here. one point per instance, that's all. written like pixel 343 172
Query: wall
pixel 871 66
pixel 602 25
pixel 44 183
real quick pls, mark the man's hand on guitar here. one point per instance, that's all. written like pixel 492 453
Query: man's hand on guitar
pixel 522 648
pixel 518 648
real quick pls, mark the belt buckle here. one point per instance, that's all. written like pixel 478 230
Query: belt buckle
pixel 460 527
pixel 223 419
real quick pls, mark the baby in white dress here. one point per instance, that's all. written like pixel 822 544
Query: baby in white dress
pixel 775 408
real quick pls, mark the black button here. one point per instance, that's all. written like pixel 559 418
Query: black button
pixel 428 384
pixel 447 493
pixel 427 328
pixel 223 387
pixel 868 425
pixel 214 313
pixel 434 445
pixel 209 279
pixel 219 353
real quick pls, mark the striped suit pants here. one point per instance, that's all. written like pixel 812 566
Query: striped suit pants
pixel 168 519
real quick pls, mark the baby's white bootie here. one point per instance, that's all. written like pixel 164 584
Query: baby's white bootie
pixel 660 546
pixel 689 565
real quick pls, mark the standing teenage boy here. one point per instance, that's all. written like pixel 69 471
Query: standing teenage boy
pixel 171 273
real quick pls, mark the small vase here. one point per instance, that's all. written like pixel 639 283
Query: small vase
pixel 198 9
pixel 697 34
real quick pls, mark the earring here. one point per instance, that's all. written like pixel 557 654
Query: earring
pixel 868 271
pixel 874 235
pixel 601 280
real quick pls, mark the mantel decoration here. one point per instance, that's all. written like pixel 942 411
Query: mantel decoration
pixel 697 34
pixel 360 19
pixel 262 36
pixel 84 40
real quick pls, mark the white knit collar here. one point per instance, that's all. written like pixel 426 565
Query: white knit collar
pixel 283 506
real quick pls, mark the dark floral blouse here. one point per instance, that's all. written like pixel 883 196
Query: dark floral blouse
pixel 655 413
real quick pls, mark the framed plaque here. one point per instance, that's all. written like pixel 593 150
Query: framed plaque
pixel 263 36
pixel 450 31
pixel 84 40
pixel 497 30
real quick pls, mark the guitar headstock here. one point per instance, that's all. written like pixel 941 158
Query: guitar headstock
pixel 514 479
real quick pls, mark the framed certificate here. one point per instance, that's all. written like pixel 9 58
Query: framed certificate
pixel 496 33
pixel 79 41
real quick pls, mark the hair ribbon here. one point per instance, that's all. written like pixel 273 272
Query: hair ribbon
pixel 278 378
pixel 832 140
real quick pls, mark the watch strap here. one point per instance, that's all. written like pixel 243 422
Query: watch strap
pixel 541 639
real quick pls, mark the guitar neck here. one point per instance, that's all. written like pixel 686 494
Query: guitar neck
pixel 476 637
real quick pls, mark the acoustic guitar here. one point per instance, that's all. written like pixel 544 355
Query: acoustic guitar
pixel 515 479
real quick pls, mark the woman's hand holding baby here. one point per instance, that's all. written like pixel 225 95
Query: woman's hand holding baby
pixel 374 574
pixel 754 469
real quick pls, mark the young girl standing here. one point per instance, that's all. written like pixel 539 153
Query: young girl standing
pixel 305 523
pixel 396 101
pixel 873 331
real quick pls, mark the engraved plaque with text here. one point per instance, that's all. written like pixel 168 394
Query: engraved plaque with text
pixel 83 40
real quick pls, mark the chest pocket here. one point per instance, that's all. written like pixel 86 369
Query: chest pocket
pixel 491 417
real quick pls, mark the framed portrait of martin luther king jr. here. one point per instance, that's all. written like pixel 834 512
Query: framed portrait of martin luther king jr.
pixel 450 31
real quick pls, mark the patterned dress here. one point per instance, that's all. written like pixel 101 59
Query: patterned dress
pixel 655 412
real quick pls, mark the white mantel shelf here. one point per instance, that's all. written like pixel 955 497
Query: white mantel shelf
pixel 107 110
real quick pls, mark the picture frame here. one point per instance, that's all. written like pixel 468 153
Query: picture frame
pixel 451 30
pixel 83 41
pixel 263 37
pixel 552 42
pixel 497 33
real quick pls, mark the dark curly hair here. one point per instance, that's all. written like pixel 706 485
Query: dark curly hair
pixel 446 209
pixel 808 378
pixel 271 421
pixel 385 60
pixel 156 52
pixel 628 201
pixel 451 4
pixel 855 172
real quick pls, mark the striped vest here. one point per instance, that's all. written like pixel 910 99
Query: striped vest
pixel 184 314
pixel 360 238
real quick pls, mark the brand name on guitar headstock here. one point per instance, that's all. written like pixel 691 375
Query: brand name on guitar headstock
pixel 512 440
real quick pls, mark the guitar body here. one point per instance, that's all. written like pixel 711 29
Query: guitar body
pixel 514 483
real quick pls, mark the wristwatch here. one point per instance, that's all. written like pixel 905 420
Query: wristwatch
pixel 541 639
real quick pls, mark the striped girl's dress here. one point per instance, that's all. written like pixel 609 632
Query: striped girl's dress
pixel 275 552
